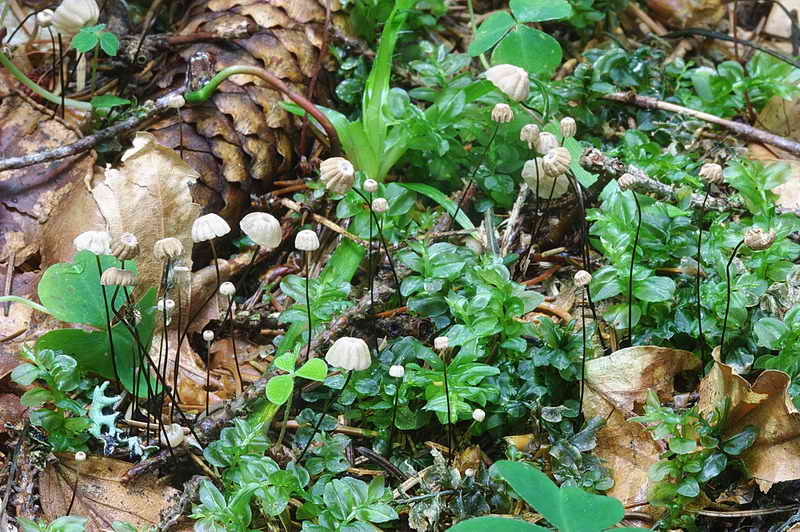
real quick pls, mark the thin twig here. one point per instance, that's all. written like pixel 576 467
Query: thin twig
pixel 296 207
pixel 748 132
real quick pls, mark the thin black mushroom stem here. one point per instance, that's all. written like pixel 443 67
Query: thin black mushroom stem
pixel 756 239
pixel 307 242
pixel 582 280
pixel 378 206
pixel 442 345
pixel 397 372
pixel 711 173
pixel 80 458
pixel 349 354
pixel 625 182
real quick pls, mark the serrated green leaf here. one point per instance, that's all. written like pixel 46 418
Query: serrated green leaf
pixel 490 32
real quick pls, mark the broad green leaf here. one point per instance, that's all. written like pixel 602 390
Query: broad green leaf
pixel 682 445
pixel 769 331
pixel 91 349
pixel 540 10
pixel 25 374
pixel 107 101
pixel 714 465
pixel 315 370
pixel 84 41
pixel 286 362
pixel 490 32
pixel 531 49
pixel 279 388
pixel 439 197
pixel 71 290
pixel 654 289
pixel 498 524
pixel 211 497
pixel 738 443
pixel 109 43
pixel 35 397
pixel 569 509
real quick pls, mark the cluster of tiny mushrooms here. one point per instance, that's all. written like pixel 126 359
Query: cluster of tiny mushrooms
pixel 547 175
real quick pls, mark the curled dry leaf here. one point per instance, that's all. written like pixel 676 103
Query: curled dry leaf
pixel 766 405
pixel 102 497
pixel 149 197
pixel 616 387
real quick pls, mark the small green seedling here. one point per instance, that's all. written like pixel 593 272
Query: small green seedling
pixel 516 43
pixel 281 387
pixel 568 509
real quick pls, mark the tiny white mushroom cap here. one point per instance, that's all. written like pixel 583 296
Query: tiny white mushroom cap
pixel 380 205
pixel 469 472
pixel 208 227
pixel 126 247
pixel 165 305
pixel 172 435
pixel 711 172
pixel 337 174
pixel 397 371
pixel 582 278
pixel 541 183
pixel 441 342
pixel 502 113
pixel 80 456
pixel 98 242
pixel 530 134
pixel 568 127
pixel 263 229
pixel 371 186
pixel 227 289
pixel 546 142
pixel 45 17
pixel 208 335
pixel 625 181
pixel 511 80
pixel 556 162
pixel 72 15
pixel 168 248
pixel 757 239
pixel 478 415
pixel 306 240
pixel 349 353
pixel 117 277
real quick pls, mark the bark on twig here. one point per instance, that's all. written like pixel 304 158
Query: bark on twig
pixel 596 161
pixel 148 111
pixel 748 132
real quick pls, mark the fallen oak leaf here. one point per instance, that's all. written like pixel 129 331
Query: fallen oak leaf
pixel 101 496
pixel 765 405
pixel 616 387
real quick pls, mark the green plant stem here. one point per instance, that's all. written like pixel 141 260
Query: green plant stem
pixel 474 29
pixel 94 66
pixel 22 300
pixel 205 92
pixel 41 91
pixel 286 411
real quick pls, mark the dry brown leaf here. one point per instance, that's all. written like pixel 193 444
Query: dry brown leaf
pixel 616 387
pixel 150 197
pixel 11 411
pixel 29 195
pixel 101 496
pixel 765 404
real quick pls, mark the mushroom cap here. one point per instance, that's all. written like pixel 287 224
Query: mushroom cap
pixel 126 247
pixel 263 229
pixel 117 277
pixel 502 113
pixel 349 353
pixel 208 227
pixel 511 80
pixel 441 342
pixel 757 239
pixel 556 161
pixel 582 278
pixel 530 134
pixel 72 15
pixel 380 205
pixel 168 248
pixel 337 173
pixel 370 185
pixel 227 289
pixel 98 242
pixel 568 127
pixel 546 142
pixel 541 183
pixel 306 240
pixel 711 172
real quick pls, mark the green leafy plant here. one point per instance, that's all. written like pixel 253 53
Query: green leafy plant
pixel 350 504
pixel 518 44
pixel 64 418
pixel 280 387
pixel 92 37
pixel 783 337
pixel 567 509
pixel 695 455
pixel 69 523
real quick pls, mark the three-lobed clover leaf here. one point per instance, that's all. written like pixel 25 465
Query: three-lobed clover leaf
pixel 91 36
pixel 280 387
